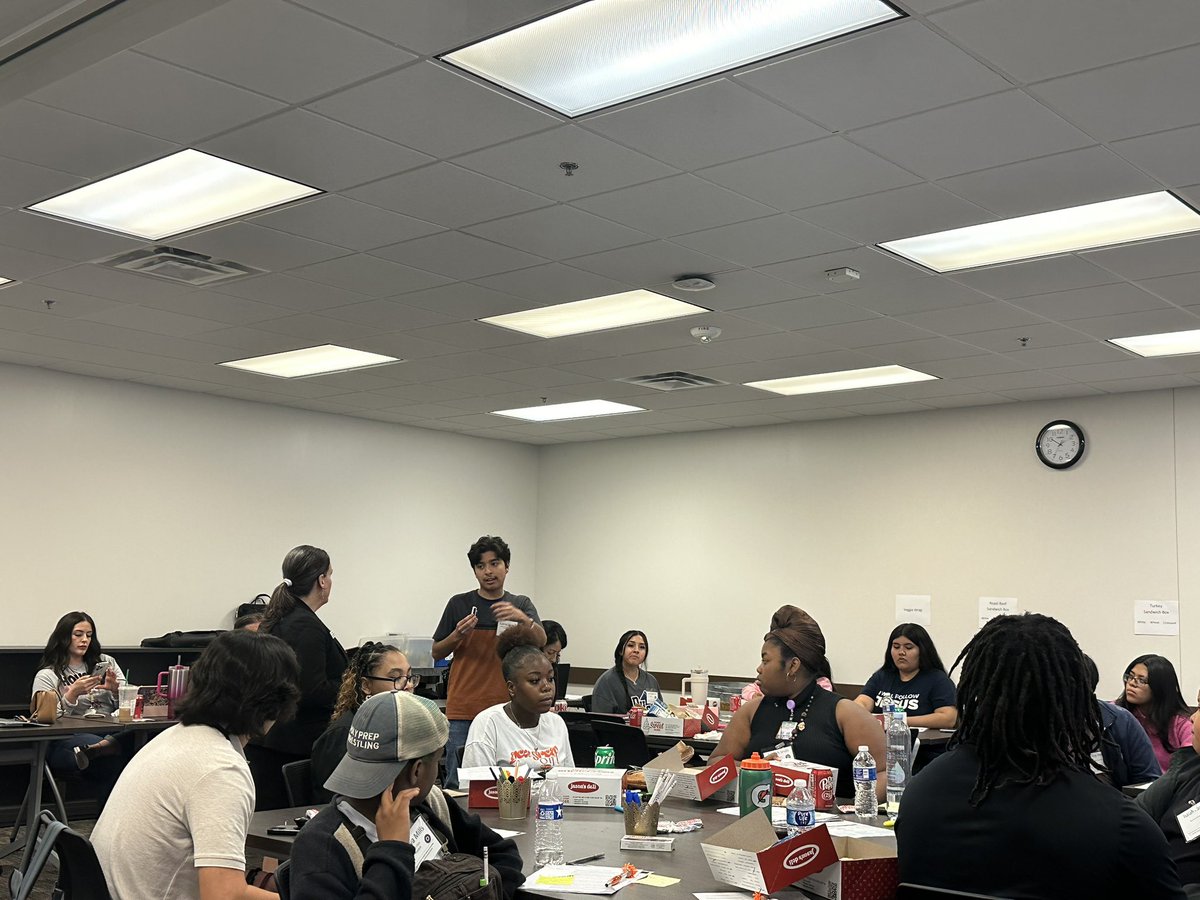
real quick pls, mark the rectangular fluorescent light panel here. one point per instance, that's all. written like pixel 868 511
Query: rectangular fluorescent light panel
pixel 310 361
pixel 849 380
pixel 603 52
pixel 596 314
pixel 1045 234
pixel 558 412
pixel 1174 343
pixel 178 193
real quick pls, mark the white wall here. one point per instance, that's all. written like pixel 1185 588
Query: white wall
pixel 158 510
pixel 698 538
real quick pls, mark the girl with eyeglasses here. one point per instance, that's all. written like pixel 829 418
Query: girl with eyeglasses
pixel 375 669
pixel 1152 695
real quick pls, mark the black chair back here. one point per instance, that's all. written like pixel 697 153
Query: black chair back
pixel 283 879
pixel 46 832
pixel 920 892
pixel 628 743
pixel 297 781
pixel 79 874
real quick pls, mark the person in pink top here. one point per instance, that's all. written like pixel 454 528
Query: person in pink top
pixel 1152 695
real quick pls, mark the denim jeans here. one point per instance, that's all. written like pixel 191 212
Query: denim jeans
pixel 457 739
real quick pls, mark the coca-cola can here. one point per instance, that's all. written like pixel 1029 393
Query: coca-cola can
pixel 821 785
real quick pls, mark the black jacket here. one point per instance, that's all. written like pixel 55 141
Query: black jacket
pixel 322 662
pixel 1164 800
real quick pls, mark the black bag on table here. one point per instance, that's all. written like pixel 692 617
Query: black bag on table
pixel 257 605
pixel 176 639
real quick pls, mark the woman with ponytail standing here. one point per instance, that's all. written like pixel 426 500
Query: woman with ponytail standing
pixel 292 616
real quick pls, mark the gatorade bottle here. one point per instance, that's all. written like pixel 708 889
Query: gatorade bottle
pixel 754 785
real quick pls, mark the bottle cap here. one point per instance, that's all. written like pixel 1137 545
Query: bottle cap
pixel 755 762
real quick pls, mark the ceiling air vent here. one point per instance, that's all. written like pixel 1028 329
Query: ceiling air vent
pixel 180 266
pixel 673 381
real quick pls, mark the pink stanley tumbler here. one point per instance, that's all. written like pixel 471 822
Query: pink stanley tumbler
pixel 177 685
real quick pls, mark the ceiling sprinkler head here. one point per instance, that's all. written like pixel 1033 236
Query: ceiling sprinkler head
pixel 568 168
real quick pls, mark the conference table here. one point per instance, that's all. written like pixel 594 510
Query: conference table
pixel 587 831
pixel 38 739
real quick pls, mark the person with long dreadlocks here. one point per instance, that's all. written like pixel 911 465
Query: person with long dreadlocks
pixel 375 669
pixel 1013 809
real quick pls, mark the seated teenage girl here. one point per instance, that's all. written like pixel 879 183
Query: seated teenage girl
pixel 525 730
pixel 626 681
pixel 1152 695
pixel 819 725
pixel 85 678
pixel 912 679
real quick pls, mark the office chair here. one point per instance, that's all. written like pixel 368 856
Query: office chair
pixel 20 883
pixel 79 874
pixel 582 737
pixel 628 743
pixel 297 780
pixel 919 892
pixel 283 879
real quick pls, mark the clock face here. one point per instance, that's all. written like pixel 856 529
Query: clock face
pixel 1060 444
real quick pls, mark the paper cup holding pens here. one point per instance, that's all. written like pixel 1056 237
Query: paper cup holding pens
pixel 513 797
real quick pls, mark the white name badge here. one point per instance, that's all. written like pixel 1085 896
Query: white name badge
pixel 426 845
pixel 786 730
pixel 1189 823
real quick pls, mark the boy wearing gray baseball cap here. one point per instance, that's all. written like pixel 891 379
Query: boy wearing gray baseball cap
pixel 358 846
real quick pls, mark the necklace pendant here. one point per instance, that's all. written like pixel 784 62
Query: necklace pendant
pixel 800 726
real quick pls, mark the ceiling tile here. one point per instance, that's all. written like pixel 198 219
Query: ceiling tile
pixel 387 315
pixel 154 97
pixel 293 294
pixel 142 318
pixel 43 235
pixel 431 109
pixel 778 345
pixel 737 290
pixel 1038 338
pixel 985 364
pixel 23 184
pixel 274 48
pixel 878 271
pixel 868 333
pixel 1089 352
pixel 977 134
pixel 884 73
pixel 104 282
pixel 1082 303
pixel 25 265
pixel 60 140
pixel 553 283
pixel 67 304
pixel 917 353
pixel 646 264
pixel 1052 392
pixel 904 212
pixel 319 329
pixel 448 195
pixel 368 275
pixel 1152 321
pixel 471 336
pixel 1052 182
pixel 761 241
pixel 314 150
pixel 458 255
pixel 1169 156
pixel 466 302
pixel 1038 276
pixel 404 346
pixel 1070 35
pixel 476 363
pixel 834 169
pixel 263 248
pixel 533 163
pixel 558 232
pixel 1183 290
pixel 346 223
pixel 749 125
pixel 978 317
pixel 674 205
pixel 1153 383
pixel 812 312
pixel 1012 380
pixel 1170 256
pixel 1128 99
pixel 545 377
pixel 1127 368
pixel 221 307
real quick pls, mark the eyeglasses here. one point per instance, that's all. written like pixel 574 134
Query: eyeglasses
pixel 1130 678
pixel 400 682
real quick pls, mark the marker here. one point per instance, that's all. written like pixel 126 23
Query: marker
pixel 483 882
pixel 585 859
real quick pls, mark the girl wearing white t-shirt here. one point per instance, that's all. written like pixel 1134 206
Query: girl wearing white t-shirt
pixel 525 730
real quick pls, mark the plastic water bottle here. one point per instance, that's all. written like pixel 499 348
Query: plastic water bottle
pixel 801 811
pixel 547 838
pixel 899 758
pixel 866 805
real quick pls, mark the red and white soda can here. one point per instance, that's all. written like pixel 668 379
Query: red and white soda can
pixel 821 785
pixel 635 716
pixel 735 703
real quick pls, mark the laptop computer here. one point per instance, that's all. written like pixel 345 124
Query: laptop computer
pixel 562 674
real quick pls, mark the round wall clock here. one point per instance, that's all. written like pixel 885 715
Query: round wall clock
pixel 1060 444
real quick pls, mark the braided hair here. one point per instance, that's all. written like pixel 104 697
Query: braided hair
pixel 1024 703
pixel 351 694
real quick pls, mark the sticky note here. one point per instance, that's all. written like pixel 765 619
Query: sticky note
pixel 556 879
pixel 659 881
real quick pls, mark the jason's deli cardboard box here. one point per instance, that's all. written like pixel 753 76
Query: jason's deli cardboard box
pixel 746 855
pixel 691 784
pixel 587 787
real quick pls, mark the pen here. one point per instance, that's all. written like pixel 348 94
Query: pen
pixel 585 859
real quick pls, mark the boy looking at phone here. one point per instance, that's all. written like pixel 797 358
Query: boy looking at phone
pixel 361 844
pixel 468 629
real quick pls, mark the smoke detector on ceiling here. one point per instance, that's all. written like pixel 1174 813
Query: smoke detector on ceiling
pixel 693 283
pixel 180 266
pixel 706 334
pixel 843 275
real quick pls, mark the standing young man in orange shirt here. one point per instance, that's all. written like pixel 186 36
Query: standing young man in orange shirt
pixel 468 630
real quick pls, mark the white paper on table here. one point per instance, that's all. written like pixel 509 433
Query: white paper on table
pixel 722 895
pixel 842 828
pixel 483 773
pixel 914 608
pixel 778 814
pixel 1156 617
pixel 587 880
pixel 506 834
pixel 990 607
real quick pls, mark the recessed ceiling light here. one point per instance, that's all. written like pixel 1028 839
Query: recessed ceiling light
pixel 603 52
pixel 310 361
pixel 1085 227
pixel 849 380
pixel 596 314
pixel 1173 343
pixel 178 193
pixel 558 412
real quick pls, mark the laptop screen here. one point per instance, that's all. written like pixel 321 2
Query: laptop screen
pixel 562 674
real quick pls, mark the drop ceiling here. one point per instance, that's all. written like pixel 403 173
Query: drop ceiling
pixel 445 203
